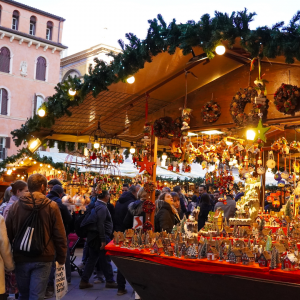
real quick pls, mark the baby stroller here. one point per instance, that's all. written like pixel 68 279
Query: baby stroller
pixel 74 240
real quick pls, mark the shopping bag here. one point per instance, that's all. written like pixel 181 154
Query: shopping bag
pixel 61 285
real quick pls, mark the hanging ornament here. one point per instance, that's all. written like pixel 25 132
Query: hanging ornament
pixel 260 131
pixel 271 162
pixel 211 111
pixel 146 165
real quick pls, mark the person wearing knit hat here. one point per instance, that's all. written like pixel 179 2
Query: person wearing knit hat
pixel 56 193
pixel 53 182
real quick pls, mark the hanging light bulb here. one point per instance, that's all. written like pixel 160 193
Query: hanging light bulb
pixel 132 149
pixel 59 172
pixel 22 162
pixel 164 156
pixel 96 145
pixel 14 169
pixel 30 158
pixel 41 165
pixel 41 112
pixel 250 135
pixel 9 172
pixel 72 92
pixel 18 175
pixel 220 50
pixel 34 162
pixel 131 79
pixel 49 166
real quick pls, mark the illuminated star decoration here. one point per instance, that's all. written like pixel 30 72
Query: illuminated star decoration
pixel 260 131
pixel 146 165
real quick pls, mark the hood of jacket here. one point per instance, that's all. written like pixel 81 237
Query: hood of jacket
pixel 54 197
pixel 13 199
pixel 126 196
pixel 40 200
pixel 136 207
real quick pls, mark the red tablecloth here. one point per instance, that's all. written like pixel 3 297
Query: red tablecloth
pixel 207 266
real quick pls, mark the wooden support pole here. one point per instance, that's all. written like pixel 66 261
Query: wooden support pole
pixel 154 159
pixel 263 183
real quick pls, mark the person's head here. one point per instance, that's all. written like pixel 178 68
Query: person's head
pixel 37 183
pixel 93 192
pixel 166 190
pixel 58 190
pixel 125 187
pixel 133 190
pixel 205 199
pixel 142 194
pixel 176 200
pixel 177 189
pixel 202 189
pixel 216 195
pixel 157 193
pixel 166 197
pixel 19 188
pixel 137 187
pixel 53 182
pixel 104 196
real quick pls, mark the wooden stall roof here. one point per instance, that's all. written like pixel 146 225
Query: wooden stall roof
pixel 123 106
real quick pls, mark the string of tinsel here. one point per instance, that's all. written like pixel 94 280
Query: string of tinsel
pixel 207 33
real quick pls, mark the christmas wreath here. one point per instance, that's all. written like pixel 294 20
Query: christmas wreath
pixel 149 186
pixel 286 98
pixel 167 128
pixel 147 226
pixel 239 102
pixel 211 112
pixel 148 206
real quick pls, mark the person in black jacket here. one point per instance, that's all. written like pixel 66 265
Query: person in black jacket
pixel 100 228
pixel 121 207
pixel 205 208
pixel 135 209
pixel 164 218
pixel 55 195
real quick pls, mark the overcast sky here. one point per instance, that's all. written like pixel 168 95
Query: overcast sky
pixel 86 20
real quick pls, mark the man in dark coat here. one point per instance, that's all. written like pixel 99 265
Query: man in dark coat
pixel 121 207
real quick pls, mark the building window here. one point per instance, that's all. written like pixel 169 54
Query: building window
pixel 4 145
pixel 3 101
pixel 49 30
pixel 15 20
pixel 38 101
pixel 4 59
pixel 32 25
pixel 41 66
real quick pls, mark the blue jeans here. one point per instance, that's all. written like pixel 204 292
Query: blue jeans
pixel 32 279
pixel 99 259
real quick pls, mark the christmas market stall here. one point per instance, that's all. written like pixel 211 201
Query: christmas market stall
pixel 211 92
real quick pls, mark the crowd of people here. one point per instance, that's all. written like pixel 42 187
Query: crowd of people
pixel 29 274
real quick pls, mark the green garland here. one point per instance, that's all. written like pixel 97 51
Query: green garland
pixel 35 156
pixel 207 33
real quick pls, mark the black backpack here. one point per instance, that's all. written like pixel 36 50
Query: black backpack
pixel 80 231
pixel 29 241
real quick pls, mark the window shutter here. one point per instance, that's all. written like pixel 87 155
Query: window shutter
pixel 7 143
pixel 4 59
pixel 34 104
pixel 41 68
pixel 4 101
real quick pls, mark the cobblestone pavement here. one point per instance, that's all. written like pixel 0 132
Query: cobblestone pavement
pixel 97 292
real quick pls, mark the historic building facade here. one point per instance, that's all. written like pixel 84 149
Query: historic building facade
pixel 30 53
pixel 78 64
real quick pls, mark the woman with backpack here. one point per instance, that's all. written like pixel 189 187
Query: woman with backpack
pixel 18 189
pixel 136 209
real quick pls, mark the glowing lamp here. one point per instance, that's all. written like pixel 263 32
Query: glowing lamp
pixel 49 166
pixel 96 145
pixel 41 112
pixel 131 80
pixel 9 172
pixel 18 175
pixel 22 162
pixel 41 165
pixel 220 50
pixel 34 144
pixel 229 143
pixel 132 149
pixel 59 172
pixel 164 156
pixel 34 162
pixel 72 92
pixel 14 169
pixel 250 134
pixel 30 158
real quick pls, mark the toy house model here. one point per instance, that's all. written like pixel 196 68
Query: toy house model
pixel 160 246
pixel 235 256
pixel 212 253
pixel 183 249
pixel 248 257
pixel 129 233
pixel 239 244
pixel 290 262
pixel 280 249
pixel 170 251
pixel 264 259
